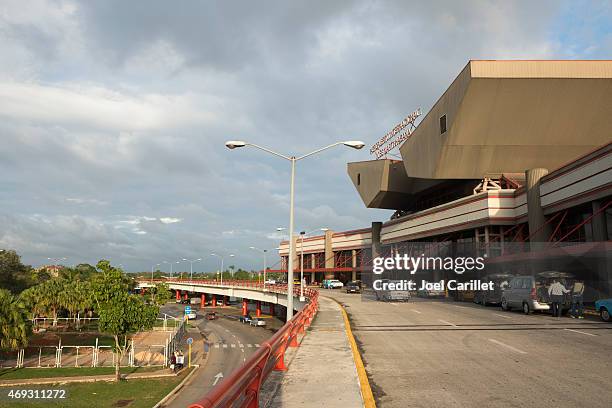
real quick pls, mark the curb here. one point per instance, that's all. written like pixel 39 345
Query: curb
pixel 178 387
pixel 364 383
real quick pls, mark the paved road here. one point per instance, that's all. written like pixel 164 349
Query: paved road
pixel 229 343
pixel 428 353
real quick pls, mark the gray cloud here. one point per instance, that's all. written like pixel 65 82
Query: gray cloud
pixel 115 111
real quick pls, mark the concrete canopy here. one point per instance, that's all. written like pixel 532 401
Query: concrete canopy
pixel 501 117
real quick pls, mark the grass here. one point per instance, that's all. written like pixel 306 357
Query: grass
pixel 140 393
pixel 22 373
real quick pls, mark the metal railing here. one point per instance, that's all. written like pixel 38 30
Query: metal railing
pixel 242 387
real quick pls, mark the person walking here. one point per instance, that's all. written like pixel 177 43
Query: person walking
pixel 173 362
pixel 556 291
pixel 577 309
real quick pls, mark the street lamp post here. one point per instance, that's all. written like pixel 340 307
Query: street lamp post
pixel 233 144
pixel 220 256
pixel 264 252
pixel 191 261
pixel 171 266
pixel 152 271
pixel 302 234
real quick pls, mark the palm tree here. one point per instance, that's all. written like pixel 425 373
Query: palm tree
pixel 14 329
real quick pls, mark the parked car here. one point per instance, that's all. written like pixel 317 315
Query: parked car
pixel 530 293
pixel 387 295
pixel 270 282
pixel 245 319
pixel 353 287
pixel 493 297
pixel 604 307
pixel 191 315
pixel 211 316
pixel 334 284
pixel 257 322
pixel 431 293
pixel 184 302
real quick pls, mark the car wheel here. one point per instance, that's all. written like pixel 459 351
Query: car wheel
pixel 526 308
pixel 605 314
pixel 504 305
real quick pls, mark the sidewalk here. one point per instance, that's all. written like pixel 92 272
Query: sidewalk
pixel 321 371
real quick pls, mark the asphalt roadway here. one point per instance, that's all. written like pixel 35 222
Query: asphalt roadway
pixel 228 342
pixel 437 353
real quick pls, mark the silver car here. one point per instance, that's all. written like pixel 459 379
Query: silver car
pixel 526 293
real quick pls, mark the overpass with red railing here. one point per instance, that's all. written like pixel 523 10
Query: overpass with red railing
pixel 219 293
pixel 242 387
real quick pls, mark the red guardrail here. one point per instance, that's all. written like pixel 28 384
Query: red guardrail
pixel 241 388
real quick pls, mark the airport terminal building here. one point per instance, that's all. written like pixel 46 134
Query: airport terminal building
pixel 513 162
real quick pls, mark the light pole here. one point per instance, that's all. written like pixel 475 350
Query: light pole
pixel 233 144
pixel 220 256
pixel 264 252
pixel 302 233
pixel 152 271
pixel 191 261
pixel 171 266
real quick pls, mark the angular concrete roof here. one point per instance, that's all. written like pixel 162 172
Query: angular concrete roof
pixel 501 117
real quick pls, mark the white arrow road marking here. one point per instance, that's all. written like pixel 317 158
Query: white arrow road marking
pixel 448 323
pixel 416 311
pixel 505 317
pixel 217 378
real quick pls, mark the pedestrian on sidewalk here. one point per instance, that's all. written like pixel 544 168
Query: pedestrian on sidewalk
pixel 577 309
pixel 556 291
pixel 173 362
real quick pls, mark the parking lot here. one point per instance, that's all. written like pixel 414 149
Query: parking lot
pixel 437 353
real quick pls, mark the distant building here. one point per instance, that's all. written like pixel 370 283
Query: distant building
pixel 52 270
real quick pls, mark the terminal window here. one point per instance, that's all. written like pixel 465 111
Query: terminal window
pixel 443 124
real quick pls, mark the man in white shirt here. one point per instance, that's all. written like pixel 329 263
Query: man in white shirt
pixel 556 291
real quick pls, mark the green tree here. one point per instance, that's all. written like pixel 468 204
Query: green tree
pixel 76 296
pixel 14 275
pixel 159 294
pixel 14 329
pixel 45 299
pixel 121 313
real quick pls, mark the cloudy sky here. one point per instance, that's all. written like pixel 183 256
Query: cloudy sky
pixel 113 114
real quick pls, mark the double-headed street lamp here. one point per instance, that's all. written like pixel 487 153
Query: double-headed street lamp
pixel 191 261
pixel 171 263
pixel 152 267
pixel 233 144
pixel 220 256
pixel 264 252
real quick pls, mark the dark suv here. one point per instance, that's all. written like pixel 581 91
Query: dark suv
pixel 353 287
